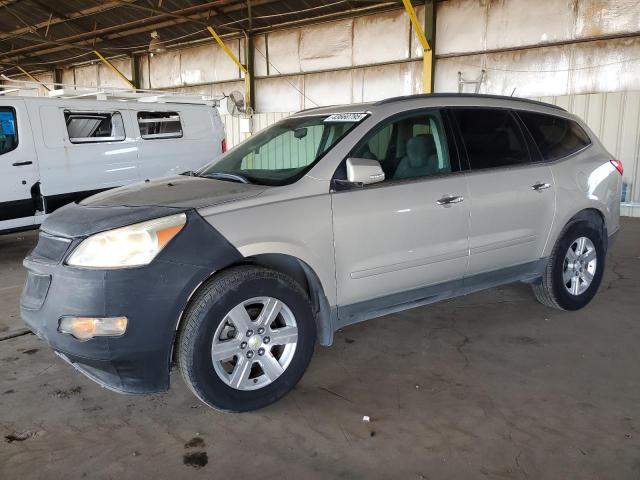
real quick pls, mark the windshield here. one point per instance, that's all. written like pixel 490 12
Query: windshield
pixel 284 152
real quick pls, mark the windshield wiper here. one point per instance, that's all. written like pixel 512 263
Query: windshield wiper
pixel 231 177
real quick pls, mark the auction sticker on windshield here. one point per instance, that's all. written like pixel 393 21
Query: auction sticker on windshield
pixel 346 117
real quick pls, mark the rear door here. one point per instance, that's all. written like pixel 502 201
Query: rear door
pixel 400 240
pixel 18 166
pixel 512 197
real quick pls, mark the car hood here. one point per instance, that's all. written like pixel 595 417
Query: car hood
pixel 143 201
pixel 177 192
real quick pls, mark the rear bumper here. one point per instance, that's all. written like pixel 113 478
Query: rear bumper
pixel 151 297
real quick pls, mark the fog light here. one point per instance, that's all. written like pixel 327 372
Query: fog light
pixel 84 328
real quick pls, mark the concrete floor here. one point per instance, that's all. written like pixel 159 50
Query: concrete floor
pixel 491 385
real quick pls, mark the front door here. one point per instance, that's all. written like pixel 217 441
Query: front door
pixel 18 166
pixel 403 240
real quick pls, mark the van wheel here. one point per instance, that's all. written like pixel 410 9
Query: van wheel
pixel 575 268
pixel 247 338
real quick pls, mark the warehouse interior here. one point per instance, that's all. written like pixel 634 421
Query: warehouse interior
pixel 490 385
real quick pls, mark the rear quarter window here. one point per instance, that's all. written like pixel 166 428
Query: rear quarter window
pixel 556 137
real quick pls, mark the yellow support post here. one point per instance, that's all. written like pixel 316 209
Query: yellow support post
pixel 247 84
pixel 427 60
pixel 32 77
pixel 112 67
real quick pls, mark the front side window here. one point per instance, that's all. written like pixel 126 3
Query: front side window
pixel 408 147
pixel 8 130
pixel 492 137
pixel 283 152
pixel 556 137
pixel 92 127
pixel 155 125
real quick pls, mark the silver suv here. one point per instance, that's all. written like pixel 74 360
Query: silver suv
pixel 332 216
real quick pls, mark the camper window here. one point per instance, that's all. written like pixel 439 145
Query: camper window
pixel 155 125
pixel 92 127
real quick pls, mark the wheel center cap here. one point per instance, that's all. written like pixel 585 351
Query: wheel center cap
pixel 255 341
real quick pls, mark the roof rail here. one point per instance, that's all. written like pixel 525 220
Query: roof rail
pixel 466 95
pixel 66 91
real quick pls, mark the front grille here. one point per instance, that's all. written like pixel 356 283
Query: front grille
pixel 50 249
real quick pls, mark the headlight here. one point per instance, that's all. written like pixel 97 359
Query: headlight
pixel 129 246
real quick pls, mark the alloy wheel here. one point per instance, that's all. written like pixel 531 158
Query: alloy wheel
pixel 255 343
pixel 579 267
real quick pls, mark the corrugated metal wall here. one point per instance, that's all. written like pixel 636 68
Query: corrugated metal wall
pixel 345 61
pixel 547 47
pixel 260 121
pixel 583 47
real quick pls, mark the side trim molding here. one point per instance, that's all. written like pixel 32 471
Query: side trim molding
pixel 410 264
pixel 397 302
pixel 503 244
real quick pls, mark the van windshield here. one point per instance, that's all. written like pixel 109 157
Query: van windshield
pixel 283 153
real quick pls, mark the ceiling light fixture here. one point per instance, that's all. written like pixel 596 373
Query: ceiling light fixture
pixel 155 45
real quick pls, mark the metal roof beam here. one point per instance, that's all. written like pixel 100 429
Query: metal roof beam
pixel 123 30
pixel 163 12
pixel 100 38
pixel 58 20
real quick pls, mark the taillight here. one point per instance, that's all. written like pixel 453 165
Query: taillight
pixel 223 144
pixel 618 165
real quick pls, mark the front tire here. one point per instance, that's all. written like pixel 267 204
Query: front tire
pixel 575 268
pixel 246 339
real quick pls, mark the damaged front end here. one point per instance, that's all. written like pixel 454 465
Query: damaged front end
pixel 117 325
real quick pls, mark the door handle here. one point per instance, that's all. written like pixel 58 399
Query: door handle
pixel 19 164
pixel 450 199
pixel 539 186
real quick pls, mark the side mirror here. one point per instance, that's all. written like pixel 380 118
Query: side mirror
pixel 364 171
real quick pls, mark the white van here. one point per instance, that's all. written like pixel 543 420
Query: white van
pixel 54 151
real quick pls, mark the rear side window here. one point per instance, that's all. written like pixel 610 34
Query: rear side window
pixel 155 125
pixel 492 137
pixel 8 130
pixel 556 137
pixel 93 127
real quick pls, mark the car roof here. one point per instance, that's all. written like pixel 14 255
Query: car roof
pixel 329 109
pixel 479 96
pixel 437 99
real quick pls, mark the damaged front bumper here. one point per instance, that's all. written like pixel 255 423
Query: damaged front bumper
pixel 152 298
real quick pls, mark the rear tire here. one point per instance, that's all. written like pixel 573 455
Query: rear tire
pixel 247 338
pixel 574 270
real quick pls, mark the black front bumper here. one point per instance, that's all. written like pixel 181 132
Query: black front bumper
pixel 151 297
